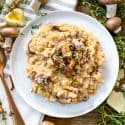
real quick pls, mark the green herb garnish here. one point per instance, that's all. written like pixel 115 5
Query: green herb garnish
pixel 109 116
pixel 36 26
pixel 78 69
pixel 24 1
pixel 72 80
pixel 21 33
pixel 56 53
pixel 4 115
pixel 42 14
pixel 120 42
pixel 121 10
pixel 96 10
pixel 0 103
pixel 32 32
pixel 11 113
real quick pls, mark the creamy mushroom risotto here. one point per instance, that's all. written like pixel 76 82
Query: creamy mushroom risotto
pixel 65 63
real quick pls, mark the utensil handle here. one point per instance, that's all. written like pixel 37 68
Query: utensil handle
pixel 17 119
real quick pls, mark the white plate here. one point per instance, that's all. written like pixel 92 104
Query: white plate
pixel 23 84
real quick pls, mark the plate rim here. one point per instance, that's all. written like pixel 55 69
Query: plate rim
pixel 51 114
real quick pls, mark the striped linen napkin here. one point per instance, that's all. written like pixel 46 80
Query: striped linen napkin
pixel 31 116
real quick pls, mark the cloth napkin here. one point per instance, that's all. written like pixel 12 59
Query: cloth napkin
pixel 31 116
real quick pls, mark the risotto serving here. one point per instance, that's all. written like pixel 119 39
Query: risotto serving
pixel 65 63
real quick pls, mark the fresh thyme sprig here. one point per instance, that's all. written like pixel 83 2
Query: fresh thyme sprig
pixel 109 116
pixel 96 10
pixel 121 10
pixel 120 42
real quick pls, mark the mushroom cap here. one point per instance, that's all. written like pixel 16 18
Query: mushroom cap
pixel 113 23
pixel 104 2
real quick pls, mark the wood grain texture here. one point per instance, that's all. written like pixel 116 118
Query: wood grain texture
pixel 89 119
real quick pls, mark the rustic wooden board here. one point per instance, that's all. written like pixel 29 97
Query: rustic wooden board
pixel 89 119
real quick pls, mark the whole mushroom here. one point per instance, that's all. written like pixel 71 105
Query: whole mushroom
pixel 114 24
pixel 111 7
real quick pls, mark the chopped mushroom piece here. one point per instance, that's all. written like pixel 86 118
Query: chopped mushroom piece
pixel 114 24
pixel 111 7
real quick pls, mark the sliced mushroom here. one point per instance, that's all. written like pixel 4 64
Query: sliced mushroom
pixel 114 24
pixel 111 7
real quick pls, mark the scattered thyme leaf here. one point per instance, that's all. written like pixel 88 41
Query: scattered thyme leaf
pixel 56 53
pixel 36 26
pixel 78 69
pixel 42 14
pixel 72 80
pixel 24 1
pixel 4 115
pixel 109 117
pixel 32 32
pixel 97 11
pixel 120 42
pixel 21 33
pixel 11 113
pixel 0 103
pixel 121 10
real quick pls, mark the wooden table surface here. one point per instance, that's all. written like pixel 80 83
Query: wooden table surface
pixel 89 119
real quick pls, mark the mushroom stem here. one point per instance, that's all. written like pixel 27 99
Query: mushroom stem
pixel 8 44
pixel 111 10
pixel 35 4
pixel 118 30
pixel 3 24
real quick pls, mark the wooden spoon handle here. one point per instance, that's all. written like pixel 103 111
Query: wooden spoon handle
pixel 17 119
